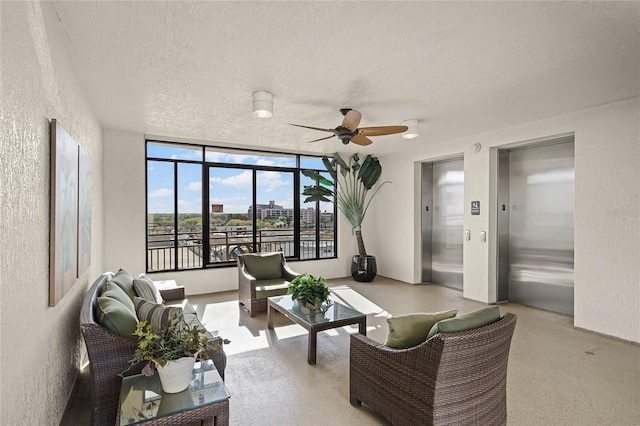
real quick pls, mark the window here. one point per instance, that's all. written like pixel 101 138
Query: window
pixel 253 203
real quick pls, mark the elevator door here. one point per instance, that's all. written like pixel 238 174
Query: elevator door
pixel 442 222
pixel 537 185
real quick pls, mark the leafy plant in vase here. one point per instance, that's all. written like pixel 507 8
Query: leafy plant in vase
pixel 172 351
pixel 309 291
pixel 349 187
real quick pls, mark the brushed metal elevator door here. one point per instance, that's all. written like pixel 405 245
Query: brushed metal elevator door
pixel 540 226
pixel 442 226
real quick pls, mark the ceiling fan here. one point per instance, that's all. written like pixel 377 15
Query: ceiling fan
pixel 348 131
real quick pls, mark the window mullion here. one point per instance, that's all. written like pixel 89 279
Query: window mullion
pixel 206 216
pixel 175 216
pixel 317 230
pixel 146 211
pixel 254 219
pixel 296 214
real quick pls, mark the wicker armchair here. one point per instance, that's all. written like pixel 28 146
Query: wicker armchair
pixel 262 275
pixel 109 355
pixel 452 378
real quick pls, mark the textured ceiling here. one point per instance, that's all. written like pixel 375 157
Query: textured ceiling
pixel 187 69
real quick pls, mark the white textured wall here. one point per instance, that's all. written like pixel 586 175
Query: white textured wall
pixel 41 345
pixel 607 211
pixel 124 192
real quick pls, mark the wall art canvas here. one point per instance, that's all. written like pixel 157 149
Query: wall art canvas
pixel 84 211
pixel 63 256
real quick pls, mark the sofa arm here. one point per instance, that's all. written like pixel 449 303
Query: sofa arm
pixel 176 293
pixel 246 275
pixel 288 273
pixel 215 351
pixel 412 369
pixel 109 356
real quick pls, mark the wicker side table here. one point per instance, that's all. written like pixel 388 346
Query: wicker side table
pixel 142 401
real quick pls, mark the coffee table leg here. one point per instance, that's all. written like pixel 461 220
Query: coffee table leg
pixel 313 338
pixel 270 315
pixel 362 327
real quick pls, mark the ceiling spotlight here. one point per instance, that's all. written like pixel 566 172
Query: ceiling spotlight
pixel 262 104
pixel 412 131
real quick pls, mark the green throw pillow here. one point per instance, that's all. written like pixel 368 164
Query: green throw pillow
pixel 146 289
pixel 112 290
pixel 409 330
pixel 116 317
pixel 263 266
pixel 155 314
pixel 125 281
pixel 476 319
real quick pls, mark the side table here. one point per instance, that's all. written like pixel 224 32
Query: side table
pixel 142 400
pixel 334 316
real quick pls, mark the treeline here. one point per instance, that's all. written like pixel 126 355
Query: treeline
pixel 192 222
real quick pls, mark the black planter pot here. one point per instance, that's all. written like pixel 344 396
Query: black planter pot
pixel 363 269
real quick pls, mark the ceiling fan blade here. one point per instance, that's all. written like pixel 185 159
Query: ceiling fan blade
pixel 313 128
pixel 321 139
pixel 361 140
pixel 352 119
pixel 381 130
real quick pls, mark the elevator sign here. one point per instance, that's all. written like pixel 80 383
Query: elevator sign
pixel 475 208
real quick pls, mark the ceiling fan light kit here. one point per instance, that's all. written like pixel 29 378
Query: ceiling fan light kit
pixel 412 129
pixel 349 131
pixel 262 104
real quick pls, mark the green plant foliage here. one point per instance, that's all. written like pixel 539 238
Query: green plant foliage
pixel 309 290
pixel 350 188
pixel 177 340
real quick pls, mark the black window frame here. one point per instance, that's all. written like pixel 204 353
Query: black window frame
pixel 207 263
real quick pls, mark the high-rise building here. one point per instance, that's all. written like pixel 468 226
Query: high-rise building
pixel 274 211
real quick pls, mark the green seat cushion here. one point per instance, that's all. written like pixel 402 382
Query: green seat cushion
pixel 125 281
pixel 273 287
pixel 156 314
pixel 146 289
pixel 116 317
pixel 112 290
pixel 476 319
pixel 263 266
pixel 405 331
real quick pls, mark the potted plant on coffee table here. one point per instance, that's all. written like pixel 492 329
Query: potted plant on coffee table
pixel 172 351
pixel 309 291
pixel 349 187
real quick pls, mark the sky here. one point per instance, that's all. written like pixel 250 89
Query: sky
pixel 231 187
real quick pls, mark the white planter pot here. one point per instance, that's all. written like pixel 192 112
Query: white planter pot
pixel 175 376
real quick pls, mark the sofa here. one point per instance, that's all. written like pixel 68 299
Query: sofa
pixel 105 323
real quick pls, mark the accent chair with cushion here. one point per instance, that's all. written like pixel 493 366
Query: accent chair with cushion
pixel 262 275
pixel 110 312
pixel 450 378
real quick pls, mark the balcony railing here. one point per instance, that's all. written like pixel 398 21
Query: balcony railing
pixel 226 245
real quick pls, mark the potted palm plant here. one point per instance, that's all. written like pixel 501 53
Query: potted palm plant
pixel 172 351
pixel 309 291
pixel 349 187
